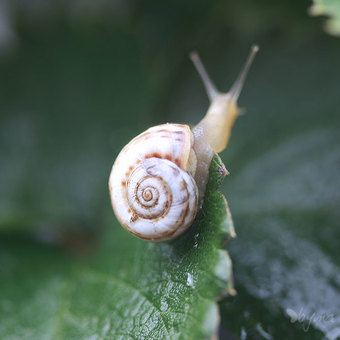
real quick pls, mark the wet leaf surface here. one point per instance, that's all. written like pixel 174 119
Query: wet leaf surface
pixel 74 91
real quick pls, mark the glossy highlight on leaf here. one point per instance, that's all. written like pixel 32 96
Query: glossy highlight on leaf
pixel 330 8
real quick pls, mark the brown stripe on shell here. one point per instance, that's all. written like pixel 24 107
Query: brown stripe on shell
pixel 148 134
pixel 167 205
pixel 131 167
pixel 142 236
pixel 179 132
pixel 139 202
pixel 147 194
pixel 178 135
pixel 177 162
pixel 183 215
pixel 134 218
pixel 166 234
pixel 153 155
pixel 184 185
pixel 175 171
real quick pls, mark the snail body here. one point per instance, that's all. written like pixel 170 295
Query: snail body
pixel 159 178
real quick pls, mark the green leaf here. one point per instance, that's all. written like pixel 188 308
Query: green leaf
pixel 129 289
pixel 284 159
pixel 67 109
pixel 289 225
pixel 330 8
pixel 72 92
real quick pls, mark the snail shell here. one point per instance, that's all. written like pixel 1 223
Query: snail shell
pixel 158 178
pixel 153 192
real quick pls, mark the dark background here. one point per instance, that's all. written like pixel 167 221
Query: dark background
pixel 79 80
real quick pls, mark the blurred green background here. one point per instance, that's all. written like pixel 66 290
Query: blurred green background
pixel 79 79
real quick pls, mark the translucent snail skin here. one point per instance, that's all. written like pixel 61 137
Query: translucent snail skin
pixel 159 178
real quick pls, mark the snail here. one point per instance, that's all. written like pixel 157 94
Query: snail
pixel 158 179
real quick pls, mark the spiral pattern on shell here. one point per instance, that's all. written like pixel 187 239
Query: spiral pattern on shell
pixel 152 196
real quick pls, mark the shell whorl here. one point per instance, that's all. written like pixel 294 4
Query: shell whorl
pixel 153 193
